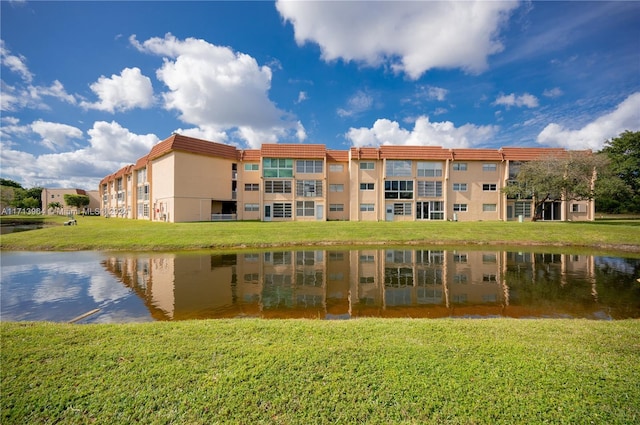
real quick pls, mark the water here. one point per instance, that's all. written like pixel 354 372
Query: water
pixel 323 284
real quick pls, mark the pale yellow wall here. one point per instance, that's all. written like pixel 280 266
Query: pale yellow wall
pixel 374 197
pixel 249 197
pixel 336 177
pixel 475 197
pixel 163 190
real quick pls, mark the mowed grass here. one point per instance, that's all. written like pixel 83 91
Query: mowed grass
pixel 378 371
pixel 98 233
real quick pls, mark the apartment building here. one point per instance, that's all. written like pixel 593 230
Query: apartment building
pixel 56 196
pixel 186 179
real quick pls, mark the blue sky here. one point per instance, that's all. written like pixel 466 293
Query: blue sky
pixel 88 87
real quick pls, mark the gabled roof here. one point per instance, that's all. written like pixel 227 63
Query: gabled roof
pixel 123 171
pixel 178 142
pixel 528 154
pixel 298 150
pixel 141 163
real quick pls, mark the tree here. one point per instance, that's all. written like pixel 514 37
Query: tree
pixel 10 183
pixel 78 201
pixel 570 177
pixel 619 185
pixel 55 206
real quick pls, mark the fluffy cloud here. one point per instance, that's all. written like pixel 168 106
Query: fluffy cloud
pixel 219 90
pixel 15 63
pixel 110 147
pixel 424 133
pixel 411 37
pixel 122 92
pixel 55 135
pixel 626 116
pixel 526 99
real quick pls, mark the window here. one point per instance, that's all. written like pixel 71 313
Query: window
pixel 309 188
pixel 460 258
pixel 142 176
pixel 460 166
pixel 489 187
pixel 277 186
pixel 459 187
pixel 429 169
pixel 398 168
pixel 251 207
pixel 282 210
pixel 305 208
pixel 366 186
pixel 251 167
pixel 431 210
pixel 336 168
pixel 487 277
pixel 398 189
pixel 277 167
pixel 460 207
pixel 365 258
pixel 367 165
pixel 336 188
pixel 251 187
pixel 336 207
pixel 576 208
pixel 309 166
pixel 489 258
pixel 523 209
pixel 489 207
pixel 367 207
pixel 489 167
pixel 429 189
pixel 403 208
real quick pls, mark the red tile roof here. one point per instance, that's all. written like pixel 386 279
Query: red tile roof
pixel 365 153
pixel 300 150
pixel 141 163
pixel 528 154
pixel 178 142
pixel 250 155
pixel 123 171
pixel 414 152
pixel 337 156
pixel 476 154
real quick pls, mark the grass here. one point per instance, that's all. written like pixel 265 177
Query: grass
pixel 299 371
pixel 98 233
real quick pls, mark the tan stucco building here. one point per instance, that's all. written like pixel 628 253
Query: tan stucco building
pixel 186 179
pixel 51 196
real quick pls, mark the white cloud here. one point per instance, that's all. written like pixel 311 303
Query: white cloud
pixel 55 135
pixel 424 133
pixel 526 99
pixel 218 89
pixel 411 37
pixel 356 104
pixel 15 63
pixel 437 93
pixel 302 96
pixel 122 92
pixel 110 147
pixel 626 116
pixel 552 93
pixel 18 97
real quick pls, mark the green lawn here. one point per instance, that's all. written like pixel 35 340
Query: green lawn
pixel 98 233
pixel 378 371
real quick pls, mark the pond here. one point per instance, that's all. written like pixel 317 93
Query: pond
pixel 320 284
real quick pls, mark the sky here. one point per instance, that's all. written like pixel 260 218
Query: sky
pixel 89 87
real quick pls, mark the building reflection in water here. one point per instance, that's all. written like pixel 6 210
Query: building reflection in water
pixel 341 284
